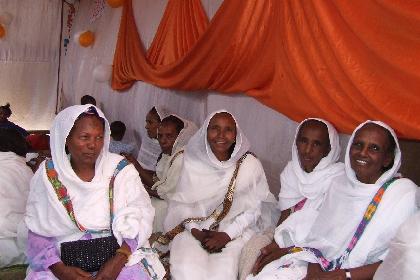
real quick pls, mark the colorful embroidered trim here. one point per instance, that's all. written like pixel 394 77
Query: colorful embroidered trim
pixel 64 198
pixel 367 217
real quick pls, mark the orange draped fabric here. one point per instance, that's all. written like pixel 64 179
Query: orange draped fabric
pixel 345 61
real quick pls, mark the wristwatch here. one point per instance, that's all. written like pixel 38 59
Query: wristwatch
pixel 348 274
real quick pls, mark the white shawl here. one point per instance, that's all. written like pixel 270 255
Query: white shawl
pixel 296 184
pixel 204 181
pixel 341 213
pixel 150 148
pixel 14 189
pixel 168 169
pixel 46 216
pixel 345 206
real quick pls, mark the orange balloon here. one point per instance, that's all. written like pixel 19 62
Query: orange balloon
pixel 2 31
pixel 115 3
pixel 86 38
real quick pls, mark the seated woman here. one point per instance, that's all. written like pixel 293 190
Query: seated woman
pixel 361 213
pixel 82 196
pixel 218 201
pixel 5 113
pixel 173 134
pixel 149 149
pixel 15 176
pixel 304 182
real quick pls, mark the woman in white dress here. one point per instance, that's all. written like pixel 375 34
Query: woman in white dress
pixel 218 202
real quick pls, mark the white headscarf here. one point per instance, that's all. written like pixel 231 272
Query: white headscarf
pixel 46 216
pixel 204 179
pixel 150 148
pixel 346 204
pixel 296 184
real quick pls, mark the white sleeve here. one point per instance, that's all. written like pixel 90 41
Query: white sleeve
pixel 242 222
pixel 134 213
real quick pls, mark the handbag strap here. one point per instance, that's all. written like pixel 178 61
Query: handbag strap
pixel 367 217
pixel 218 216
pixel 64 198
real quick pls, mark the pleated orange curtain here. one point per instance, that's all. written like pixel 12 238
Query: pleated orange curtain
pixel 345 61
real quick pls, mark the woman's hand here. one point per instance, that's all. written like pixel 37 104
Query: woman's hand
pixel 315 272
pixel 215 241
pixel 268 254
pixel 64 272
pixel 112 268
pixel 198 234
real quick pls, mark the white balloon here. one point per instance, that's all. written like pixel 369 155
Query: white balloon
pixel 76 36
pixel 6 18
pixel 102 73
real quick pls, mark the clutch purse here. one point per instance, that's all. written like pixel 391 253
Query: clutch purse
pixel 89 255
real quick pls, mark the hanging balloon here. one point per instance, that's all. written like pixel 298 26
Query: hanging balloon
pixel 102 73
pixel 115 3
pixel 86 38
pixel 6 18
pixel 2 31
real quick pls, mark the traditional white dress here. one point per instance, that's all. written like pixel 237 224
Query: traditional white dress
pixel 202 188
pixel 402 261
pixel 15 176
pixel 298 186
pixel 168 170
pixel 47 217
pixel 340 215
pixel 150 149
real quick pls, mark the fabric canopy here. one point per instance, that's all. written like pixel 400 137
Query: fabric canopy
pixel 339 60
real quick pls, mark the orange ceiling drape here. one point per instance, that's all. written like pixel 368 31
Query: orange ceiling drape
pixel 345 61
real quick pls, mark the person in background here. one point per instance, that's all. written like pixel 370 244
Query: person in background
pixel 15 176
pixel 5 113
pixel 304 183
pixel 116 145
pixel 173 135
pixel 362 211
pixel 84 192
pixel 87 99
pixel 150 149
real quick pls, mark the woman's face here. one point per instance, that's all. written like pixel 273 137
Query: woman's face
pixel 85 141
pixel 312 144
pixel 221 134
pixel 369 153
pixel 167 135
pixel 152 124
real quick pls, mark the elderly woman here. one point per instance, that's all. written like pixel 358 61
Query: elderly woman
pixel 361 213
pixel 304 182
pixel 218 202
pixel 87 209
pixel 173 134
pixel 15 176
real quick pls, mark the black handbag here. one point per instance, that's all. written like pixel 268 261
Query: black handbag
pixel 89 254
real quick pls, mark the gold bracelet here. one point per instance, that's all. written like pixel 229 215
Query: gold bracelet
pixel 126 253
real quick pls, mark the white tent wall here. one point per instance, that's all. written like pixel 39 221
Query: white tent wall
pixel 29 61
pixel 270 133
